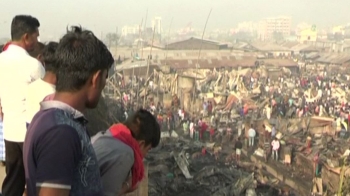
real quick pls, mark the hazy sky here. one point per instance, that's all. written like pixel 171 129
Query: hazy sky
pixel 105 15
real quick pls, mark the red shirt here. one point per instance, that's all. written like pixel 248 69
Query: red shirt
pixel 204 126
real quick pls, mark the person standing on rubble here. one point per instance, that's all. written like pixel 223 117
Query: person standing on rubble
pixel 287 155
pixel 202 129
pixel 212 133
pixel 120 151
pixel 317 180
pixel 267 150
pixel 251 134
pixel 239 128
pixel 267 133
pixel 238 148
pixel 191 129
pixel 273 131
pixel 185 127
pixel 210 108
pixel 229 132
pixel 275 147
pixel 205 108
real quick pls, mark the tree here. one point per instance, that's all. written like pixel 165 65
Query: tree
pixel 277 36
pixel 112 39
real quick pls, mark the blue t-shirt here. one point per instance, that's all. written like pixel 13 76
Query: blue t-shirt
pixel 58 152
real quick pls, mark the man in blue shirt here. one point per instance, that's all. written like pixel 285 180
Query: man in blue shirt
pixel 58 156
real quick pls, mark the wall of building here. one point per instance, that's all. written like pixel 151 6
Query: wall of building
pixel 307 35
pixel 269 26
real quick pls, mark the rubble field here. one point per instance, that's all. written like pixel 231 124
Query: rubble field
pixel 178 167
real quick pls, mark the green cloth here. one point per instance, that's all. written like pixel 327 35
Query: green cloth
pixel 196 135
pixel 317 172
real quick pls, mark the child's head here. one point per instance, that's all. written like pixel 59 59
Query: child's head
pixel 48 57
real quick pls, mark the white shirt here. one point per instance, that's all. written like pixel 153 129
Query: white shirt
pixel 251 132
pixel 36 93
pixel 17 71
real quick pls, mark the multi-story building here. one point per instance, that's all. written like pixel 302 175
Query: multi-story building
pixel 157 24
pixel 130 30
pixel 269 27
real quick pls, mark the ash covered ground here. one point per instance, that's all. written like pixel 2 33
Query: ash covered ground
pixel 211 177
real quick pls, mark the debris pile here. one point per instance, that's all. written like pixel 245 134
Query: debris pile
pixel 307 112
pixel 180 167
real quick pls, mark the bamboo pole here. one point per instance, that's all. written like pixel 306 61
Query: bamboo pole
pixel 138 86
pixel 148 62
pixel 166 58
pixel 133 68
pixel 166 46
pixel 341 177
pixel 197 65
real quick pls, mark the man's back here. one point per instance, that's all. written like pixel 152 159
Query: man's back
pixel 17 71
pixel 58 152
pixel 115 160
pixel 251 132
pixel 37 91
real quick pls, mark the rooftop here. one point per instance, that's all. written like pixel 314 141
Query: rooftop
pixel 267 46
pixel 334 58
pixel 200 39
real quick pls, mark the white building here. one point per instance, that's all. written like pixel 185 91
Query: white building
pixel 157 24
pixel 269 26
pixel 130 30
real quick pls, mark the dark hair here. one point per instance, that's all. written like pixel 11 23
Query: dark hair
pixel 149 129
pixel 22 24
pixel 38 49
pixel 2 47
pixel 79 55
pixel 49 56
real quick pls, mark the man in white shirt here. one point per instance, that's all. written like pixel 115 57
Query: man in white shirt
pixel 17 70
pixel 38 90
pixel 251 134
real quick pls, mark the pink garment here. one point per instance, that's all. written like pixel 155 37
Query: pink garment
pixel 49 97
pixel 275 145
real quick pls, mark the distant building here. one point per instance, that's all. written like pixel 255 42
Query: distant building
pixel 130 30
pixel 338 30
pixel 269 50
pixel 309 34
pixel 269 27
pixel 157 24
pixel 195 44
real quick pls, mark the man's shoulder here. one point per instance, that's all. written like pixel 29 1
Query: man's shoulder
pixel 48 118
pixel 35 84
pixel 41 84
pixel 44 120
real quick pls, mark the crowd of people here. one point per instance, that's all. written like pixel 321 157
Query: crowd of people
pixel 44 90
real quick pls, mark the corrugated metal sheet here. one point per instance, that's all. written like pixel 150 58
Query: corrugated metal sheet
pixel 266 46
pixel 334 58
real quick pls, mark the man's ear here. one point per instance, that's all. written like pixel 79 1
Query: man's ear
pixel 41 59
pixel 96 79
pixel 142 143
pixel 26 38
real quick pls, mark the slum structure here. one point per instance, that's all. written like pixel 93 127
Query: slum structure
pixel 229 90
